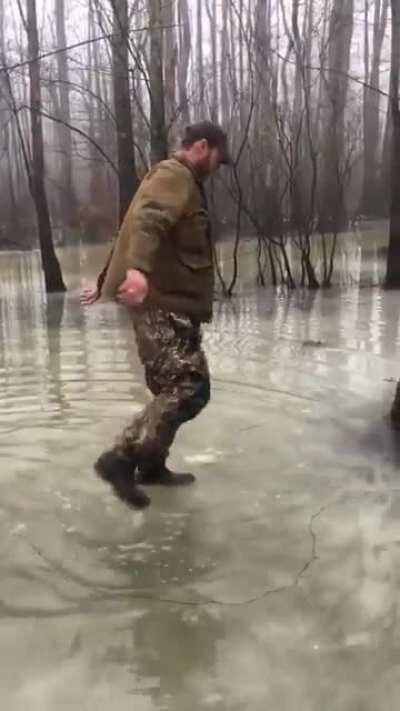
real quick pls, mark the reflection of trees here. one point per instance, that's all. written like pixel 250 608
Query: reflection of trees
pixel 54 314
pixel 176 646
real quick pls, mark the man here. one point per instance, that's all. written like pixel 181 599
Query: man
pixel 161 269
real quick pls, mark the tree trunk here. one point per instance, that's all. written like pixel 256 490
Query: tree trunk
pixel 372 190
pixel 128 179
pixel 10 214
pixel 68 201
pixel 393 258
pixel 332 212
pixel 261 134
pixel 241 55
pixel 184 59
pixel 318 127
pixel 200 65
pixel 233 74
pixel 141 125
pixel 298 78
pixel 96 169
pixel 225 78
pixel 212 17
pixel 51 266
pixel 159 142
pixel 384 171
pixel 170 61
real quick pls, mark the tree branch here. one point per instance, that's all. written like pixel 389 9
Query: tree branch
pixel 76 45
pixel 80 133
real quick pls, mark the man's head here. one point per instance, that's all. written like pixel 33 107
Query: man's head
pixel 205 145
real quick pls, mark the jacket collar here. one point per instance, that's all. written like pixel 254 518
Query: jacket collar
pixel 199 178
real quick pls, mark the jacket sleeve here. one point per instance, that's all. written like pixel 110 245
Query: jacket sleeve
pixel 103 273
pixel 163 199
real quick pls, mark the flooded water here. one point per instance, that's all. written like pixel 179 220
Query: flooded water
pixel 271 584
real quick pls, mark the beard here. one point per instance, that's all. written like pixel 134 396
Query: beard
pixel 203 168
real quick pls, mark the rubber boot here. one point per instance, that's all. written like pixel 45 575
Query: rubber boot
pixel 158 474
pixel 119 471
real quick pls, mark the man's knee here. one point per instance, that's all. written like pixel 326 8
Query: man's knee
pixel 197 400
pixel 202 394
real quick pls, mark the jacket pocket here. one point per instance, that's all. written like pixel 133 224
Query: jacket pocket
pixel 193 242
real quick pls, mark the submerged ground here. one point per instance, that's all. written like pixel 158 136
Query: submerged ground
pixel 272 584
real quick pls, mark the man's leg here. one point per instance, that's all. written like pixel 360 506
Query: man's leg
pixel 177 375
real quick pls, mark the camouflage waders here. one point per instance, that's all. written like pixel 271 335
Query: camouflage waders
pixel 176 373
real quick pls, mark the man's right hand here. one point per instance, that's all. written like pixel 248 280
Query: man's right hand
pixel 89 296
pixel 134 289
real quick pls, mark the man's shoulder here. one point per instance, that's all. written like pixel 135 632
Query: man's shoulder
pixel 176 166
pixel 170 171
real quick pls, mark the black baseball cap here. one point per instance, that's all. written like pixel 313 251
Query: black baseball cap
pixel 212 133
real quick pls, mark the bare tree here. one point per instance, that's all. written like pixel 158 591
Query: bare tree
pixel 393 257
pixel 159 142
pixel 199 57
pixel 127 179
pixel 224 75
pixel 371 198
pixel 68 200
pixel 332 210
pixel 8 207
pixel 211 7
pixel 51 266
pixel 170 60
pixel 184 59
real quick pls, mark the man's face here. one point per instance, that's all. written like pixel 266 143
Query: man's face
pixel 206 159
pixel 214 160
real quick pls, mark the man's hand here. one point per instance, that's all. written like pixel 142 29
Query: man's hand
pixel 134 289
pixel 89 296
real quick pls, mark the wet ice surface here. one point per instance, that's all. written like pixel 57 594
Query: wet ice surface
pixel 272 584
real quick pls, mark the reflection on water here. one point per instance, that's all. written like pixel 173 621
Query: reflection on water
pixel 360 257
pixel 101 607
pixel 56 356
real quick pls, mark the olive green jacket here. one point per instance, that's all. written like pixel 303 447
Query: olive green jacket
pixel 166 235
